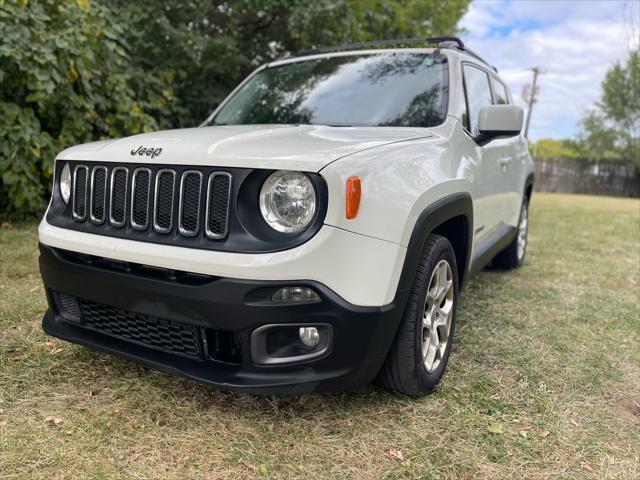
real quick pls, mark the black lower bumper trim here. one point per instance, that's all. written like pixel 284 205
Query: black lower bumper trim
pixel 361 335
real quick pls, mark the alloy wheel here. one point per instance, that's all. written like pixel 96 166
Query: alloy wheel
pixel 522 232
pixel 438 312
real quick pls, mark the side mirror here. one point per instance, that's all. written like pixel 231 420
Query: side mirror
pixel 499 121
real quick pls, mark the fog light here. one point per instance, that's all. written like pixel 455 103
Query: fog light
pixel 295 294
pixel 309 336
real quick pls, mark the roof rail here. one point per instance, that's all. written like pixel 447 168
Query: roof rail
pixel 442 42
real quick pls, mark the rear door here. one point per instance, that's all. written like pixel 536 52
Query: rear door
pixel 487 186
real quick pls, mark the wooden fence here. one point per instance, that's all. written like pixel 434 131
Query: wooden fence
pixel 565 175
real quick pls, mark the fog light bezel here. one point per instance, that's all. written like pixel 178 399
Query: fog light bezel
pixel 260 353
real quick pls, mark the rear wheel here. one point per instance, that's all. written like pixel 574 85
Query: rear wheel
pixel 418 357
pixel 513 256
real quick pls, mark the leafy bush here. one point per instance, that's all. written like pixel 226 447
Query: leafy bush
pixel 64 80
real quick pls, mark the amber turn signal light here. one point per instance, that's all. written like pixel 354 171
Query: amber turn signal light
pixel 354 189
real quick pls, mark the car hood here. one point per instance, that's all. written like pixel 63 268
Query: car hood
pixel 286 147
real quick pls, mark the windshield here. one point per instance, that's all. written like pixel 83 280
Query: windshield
pixel 388 89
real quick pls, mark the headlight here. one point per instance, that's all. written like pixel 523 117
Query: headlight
pixel 288 201
pixel 65 182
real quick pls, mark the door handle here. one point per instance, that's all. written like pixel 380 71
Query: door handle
pixel 504 161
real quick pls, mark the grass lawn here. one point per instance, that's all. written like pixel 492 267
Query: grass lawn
pixel 544 381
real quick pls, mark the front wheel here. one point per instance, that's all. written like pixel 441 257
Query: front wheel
pixel 418 357
pixel 513 256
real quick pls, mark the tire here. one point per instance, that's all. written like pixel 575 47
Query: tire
pixel 513 256
pixel 405 370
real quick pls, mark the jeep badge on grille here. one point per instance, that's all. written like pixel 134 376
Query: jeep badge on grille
pixel 148 151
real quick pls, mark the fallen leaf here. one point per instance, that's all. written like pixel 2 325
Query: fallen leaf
pixel 545 434
pixel 263 469
pixel 587 466
pixel 6 226
pixel 270 427
pixel 33 289
pixel 55 351
pixel 397 454
pixel 495 428
pixel 249 465
pixel 54 420
pixel 523 434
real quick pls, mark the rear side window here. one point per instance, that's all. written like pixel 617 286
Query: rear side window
pixel 478 93
pixel 500 92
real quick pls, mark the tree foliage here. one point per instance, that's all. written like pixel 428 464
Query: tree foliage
pixel 552 148
pixel 611 131
pixel 80 70
pixel 64 80
pixel 201 49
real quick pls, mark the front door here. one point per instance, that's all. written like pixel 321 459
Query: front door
pixel 491 176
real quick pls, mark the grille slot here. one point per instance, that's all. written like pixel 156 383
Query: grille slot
pixel 80 175
pixel 142 329
pixel 140 189
pixel 98 194
pixel 218 198
pixel 163 203
pixel 118 197
pixel 189 211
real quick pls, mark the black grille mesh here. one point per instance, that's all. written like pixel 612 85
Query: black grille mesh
pixel 149 331
pixel 80 193
pixel 218 199
pixel 69 306
pixel 99 194
pixel 140 202
pixel 164 201
pixel 119 196
pixel 190 202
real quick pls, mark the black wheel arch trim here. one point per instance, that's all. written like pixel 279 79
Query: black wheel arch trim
pixel 529 183
pixel 435 215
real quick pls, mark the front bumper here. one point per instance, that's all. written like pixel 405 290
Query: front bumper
pixel 361 335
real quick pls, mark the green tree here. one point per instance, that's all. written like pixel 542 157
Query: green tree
pixel 63 80
pixel 549 148
pixel 611 131
pixel 199 50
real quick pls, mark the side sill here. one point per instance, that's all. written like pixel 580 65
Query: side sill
pixel 489 249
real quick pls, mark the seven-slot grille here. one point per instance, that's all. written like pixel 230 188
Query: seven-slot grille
pixel 188 202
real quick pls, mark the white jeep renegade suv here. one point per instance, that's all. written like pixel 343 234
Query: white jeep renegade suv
pixel 312 235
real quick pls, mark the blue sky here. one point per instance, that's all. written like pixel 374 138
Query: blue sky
pixel 573 41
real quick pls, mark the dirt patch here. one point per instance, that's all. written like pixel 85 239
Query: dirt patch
pixel 629 408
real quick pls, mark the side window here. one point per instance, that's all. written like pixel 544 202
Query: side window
pixel 500 92
pixel 478 95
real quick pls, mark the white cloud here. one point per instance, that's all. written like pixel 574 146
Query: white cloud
pixel 574 42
